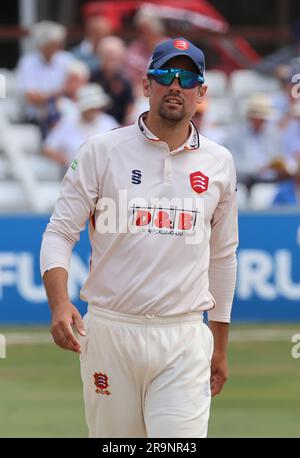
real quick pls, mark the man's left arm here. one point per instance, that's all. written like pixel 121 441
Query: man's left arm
pixel 222 275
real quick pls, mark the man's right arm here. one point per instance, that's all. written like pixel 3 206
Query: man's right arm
pixel 78 198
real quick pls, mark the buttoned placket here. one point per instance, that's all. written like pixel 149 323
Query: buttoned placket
pixel 167 167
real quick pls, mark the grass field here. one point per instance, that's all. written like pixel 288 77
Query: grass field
pixel 41 395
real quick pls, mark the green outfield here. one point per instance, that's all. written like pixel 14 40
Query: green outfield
pixel 41 396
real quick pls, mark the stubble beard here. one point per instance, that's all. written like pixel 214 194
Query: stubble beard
pixel 171 115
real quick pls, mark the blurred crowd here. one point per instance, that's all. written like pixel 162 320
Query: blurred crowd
pixel 96 86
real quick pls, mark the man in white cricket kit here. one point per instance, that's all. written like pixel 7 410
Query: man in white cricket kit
pixel 148 362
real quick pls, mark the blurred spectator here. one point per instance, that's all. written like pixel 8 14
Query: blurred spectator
pixel 96 28
pixel 41 74
pixel 289 191
pixel 150 31
pixel 290 134
pixel 77 76
pixel 64 140
pixel 282 99
pixel 255 144
pixel 112 53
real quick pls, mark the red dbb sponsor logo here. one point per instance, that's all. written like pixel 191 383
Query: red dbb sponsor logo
pixel 181 44
pixel 162 220
pixel 199 182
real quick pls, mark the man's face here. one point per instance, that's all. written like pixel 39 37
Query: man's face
pixel 112 59
pixel 73 83
pixel 257 123
pixel 172 102
pixel 90 115
pixel 50 49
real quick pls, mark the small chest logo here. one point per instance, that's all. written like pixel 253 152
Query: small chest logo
pixel 199 182
pixel 101 382
pixel 136 177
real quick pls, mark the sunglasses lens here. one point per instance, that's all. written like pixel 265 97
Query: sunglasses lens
pixel 188 81
pixel 164 79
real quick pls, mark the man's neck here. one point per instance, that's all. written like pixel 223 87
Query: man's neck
pixel 173 133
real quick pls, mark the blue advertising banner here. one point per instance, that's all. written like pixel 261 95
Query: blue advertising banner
pixel 268 286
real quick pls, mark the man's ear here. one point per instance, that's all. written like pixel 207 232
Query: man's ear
pixel 146 86
pixel 201 92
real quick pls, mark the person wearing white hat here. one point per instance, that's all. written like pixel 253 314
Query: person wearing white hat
pixel 63 142
pixel 255 142
pixel 78 75
pixel 41 74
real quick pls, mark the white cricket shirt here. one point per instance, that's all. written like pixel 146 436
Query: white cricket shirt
pixel 172 249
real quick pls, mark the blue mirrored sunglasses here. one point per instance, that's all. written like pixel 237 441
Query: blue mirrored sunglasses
pixel 187 80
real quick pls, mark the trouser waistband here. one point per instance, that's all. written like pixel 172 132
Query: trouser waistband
pixel 149 319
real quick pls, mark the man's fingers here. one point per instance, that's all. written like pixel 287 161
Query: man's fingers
pixel 216 385
pixel 61 340
pixel 69 334
pixel 79 324
pixel 64 337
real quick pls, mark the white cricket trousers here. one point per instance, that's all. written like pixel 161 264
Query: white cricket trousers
pixel 146 376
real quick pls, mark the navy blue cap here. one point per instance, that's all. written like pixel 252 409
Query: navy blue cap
pixel 177 47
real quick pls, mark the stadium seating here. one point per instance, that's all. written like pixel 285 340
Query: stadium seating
pixel 217 83
pixel 242 197
pixel 246 82
pixel 262 195
pixel 23 172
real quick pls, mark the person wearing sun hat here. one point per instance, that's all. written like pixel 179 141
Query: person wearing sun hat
pixel 66 137
pixel 255 142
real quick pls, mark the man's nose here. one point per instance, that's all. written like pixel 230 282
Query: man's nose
pixel 175 84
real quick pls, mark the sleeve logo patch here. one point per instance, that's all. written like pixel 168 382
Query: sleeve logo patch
pixel 74 164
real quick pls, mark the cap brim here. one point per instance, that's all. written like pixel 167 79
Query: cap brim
pixel 165 59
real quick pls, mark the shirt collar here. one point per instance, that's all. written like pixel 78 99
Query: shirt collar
pixel 192 142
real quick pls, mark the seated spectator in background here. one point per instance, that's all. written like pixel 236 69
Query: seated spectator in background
pixel 110 75
pixel 63 142
pixel 96 28
pixel 289 191
pixel 150 31
pixel 283 99
pixel 255 144
pixel 290 134
pixel 78 75
pixel 41 74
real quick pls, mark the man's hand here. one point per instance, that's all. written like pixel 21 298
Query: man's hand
pixel 63 317
pixel 64 314
pixel 219 372
pixel 219 369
